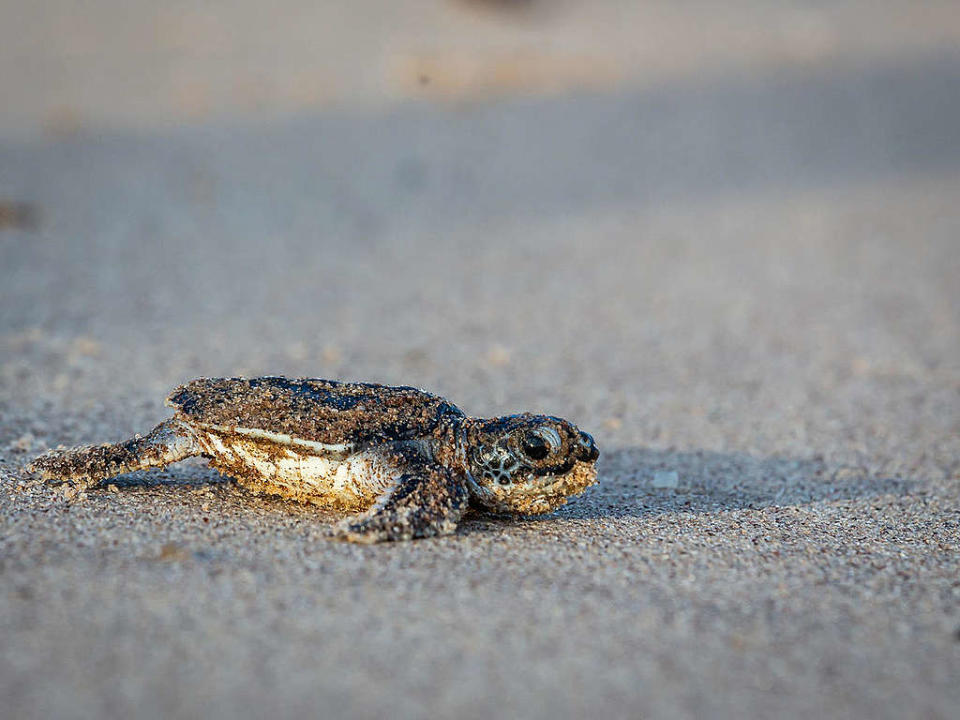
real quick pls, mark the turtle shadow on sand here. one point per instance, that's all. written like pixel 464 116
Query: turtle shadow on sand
pixel 188 474
pixel 710 482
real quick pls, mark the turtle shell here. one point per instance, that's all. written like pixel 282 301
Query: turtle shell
pixel 353 415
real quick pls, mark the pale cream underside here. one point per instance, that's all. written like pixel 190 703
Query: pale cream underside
pixel 311 472
pixel 337 450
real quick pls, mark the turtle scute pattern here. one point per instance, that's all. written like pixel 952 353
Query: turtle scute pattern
pixel 316 410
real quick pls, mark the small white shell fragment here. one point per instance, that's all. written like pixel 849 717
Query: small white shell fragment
pixel 666 479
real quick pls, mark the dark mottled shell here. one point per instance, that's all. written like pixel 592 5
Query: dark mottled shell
pixel 324 411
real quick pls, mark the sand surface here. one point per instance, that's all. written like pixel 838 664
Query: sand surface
pixel 746 287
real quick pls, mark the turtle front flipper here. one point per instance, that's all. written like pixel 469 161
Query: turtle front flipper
pixel 427 499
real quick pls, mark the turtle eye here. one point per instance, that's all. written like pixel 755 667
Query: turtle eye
pixel 539 443
pixel 535 447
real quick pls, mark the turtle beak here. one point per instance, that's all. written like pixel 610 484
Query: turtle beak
pixel 587 452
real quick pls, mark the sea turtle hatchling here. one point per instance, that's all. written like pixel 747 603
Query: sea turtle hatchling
pixel 409 460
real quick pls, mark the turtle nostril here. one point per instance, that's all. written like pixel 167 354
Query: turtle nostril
pixel 588 448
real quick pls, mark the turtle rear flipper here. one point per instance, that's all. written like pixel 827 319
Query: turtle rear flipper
pixel 427 499
pixel 88 465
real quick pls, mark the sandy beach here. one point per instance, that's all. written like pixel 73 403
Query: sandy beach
pixel 742 283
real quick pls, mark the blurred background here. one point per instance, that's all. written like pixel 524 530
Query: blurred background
pixel 557 200
pixel 722 237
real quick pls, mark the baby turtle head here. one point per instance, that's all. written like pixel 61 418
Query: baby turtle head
pixel 528 463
